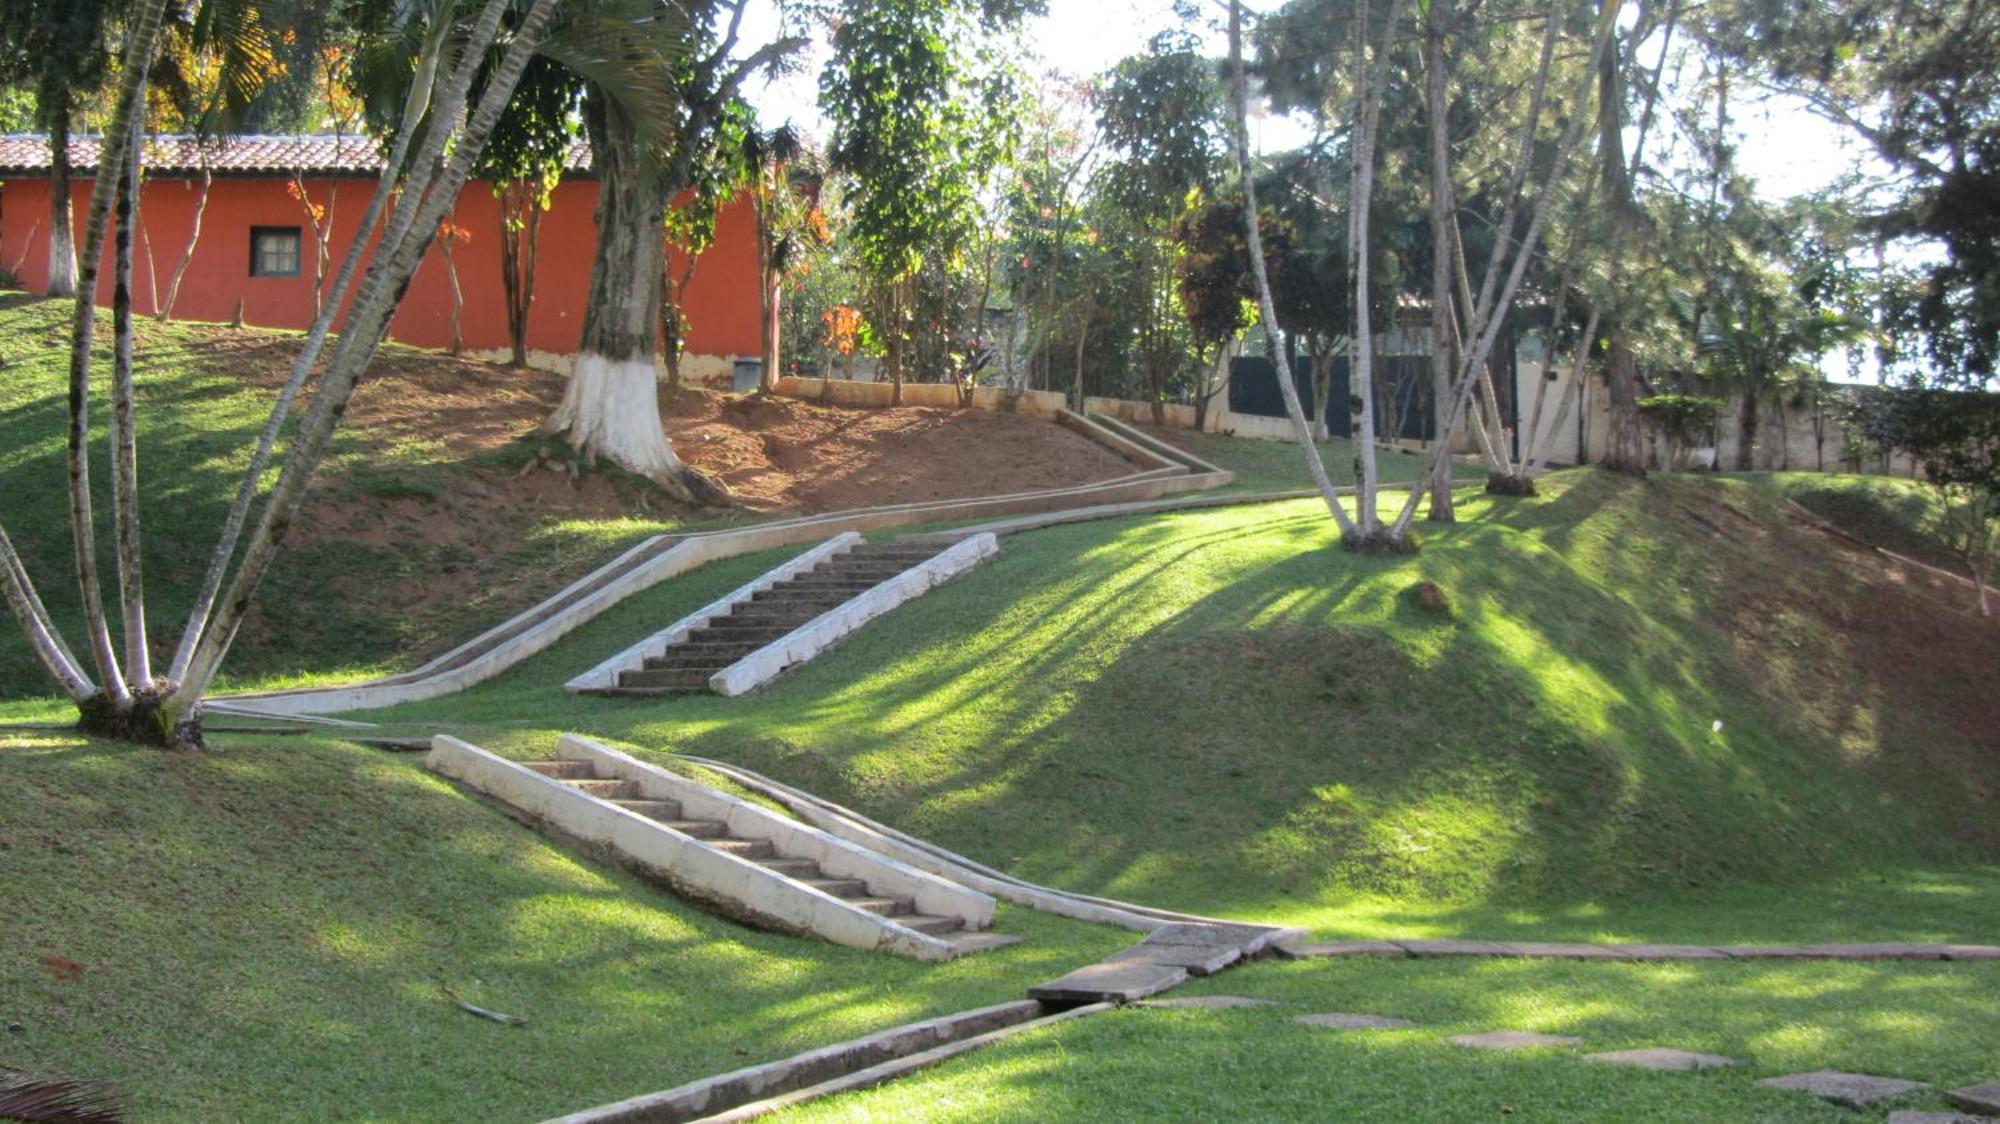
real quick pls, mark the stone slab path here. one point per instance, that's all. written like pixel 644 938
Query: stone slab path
pixel 1907 1117
pixel 1665 1061
pixel 1849 1090
pixel 1982 1099
pixel 1339 1020
pixel 1638 953
pixel 1514 1040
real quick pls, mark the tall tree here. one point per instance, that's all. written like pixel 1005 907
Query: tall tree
pixel 921 113
pixel 1921 83
pixel 656 108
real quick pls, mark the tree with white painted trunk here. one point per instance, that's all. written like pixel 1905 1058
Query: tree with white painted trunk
pixel 647 138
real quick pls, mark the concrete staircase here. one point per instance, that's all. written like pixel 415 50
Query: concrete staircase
pixel 740 859
pixel 686 667
pixel 582 776
pixel 783 618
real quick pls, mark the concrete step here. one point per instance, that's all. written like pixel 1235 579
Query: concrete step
pixel 783 593
pixel 746 848
pixel 786 615
pixel 606 790
pixel 679 679
pixel 838 887
pixel 805 870
pixel 829 585
pixel 661 810
pixel 643 692
pixel 562 770
pixel 681 656
pixel 859 571
pixel 727 631
pixel 684 829
pixel 927 923
pixel 886 906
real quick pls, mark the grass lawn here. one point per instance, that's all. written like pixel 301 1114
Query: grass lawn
pixel 1890 512
pixel 1933 1023
pixel 267 932
pixel 1275 466
pixel 1220 711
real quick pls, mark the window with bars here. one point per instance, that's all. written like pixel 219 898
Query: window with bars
pixel 274 251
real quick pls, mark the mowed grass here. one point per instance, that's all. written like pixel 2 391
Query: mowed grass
pixel 268 932
pixel 1932 1023
pixel 1645 713
pixel 1276 466
pixel 200 411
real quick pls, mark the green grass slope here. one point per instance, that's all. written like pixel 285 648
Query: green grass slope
pixel 1931 1023
pixel 268 932
pixel 204 393
pixel 1664 691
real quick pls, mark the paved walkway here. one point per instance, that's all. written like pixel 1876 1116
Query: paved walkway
pixel 1638 953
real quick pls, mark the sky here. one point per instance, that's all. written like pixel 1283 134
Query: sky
pixel 1784 148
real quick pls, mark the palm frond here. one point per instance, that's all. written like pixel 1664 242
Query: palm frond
pixel 59 1100
pixel 636 52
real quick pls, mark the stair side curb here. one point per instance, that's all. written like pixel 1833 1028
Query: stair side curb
pixel 606 674
pixel 734 886
pixel 837 857
pixel 830 627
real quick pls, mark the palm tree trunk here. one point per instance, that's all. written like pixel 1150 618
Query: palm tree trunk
pixel 420 206
pixel 113 158
pixel 1442 258
pixel 124 443
pixel 416 105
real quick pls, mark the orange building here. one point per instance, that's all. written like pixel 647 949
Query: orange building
pixel 257 250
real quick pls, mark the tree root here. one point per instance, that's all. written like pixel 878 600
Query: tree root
pixel 1502 484
pixel 149 720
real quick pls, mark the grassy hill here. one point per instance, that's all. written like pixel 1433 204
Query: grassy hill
pixel 1644 689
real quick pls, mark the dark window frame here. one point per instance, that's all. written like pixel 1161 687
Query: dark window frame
pixel 297 235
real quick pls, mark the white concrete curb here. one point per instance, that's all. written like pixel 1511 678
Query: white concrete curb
pixel 756 893
pixel 827 629
pixel 634 657
pixel 792 838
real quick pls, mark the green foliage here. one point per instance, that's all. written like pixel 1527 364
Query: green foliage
pixel 1922 84
pixel 1682 418
pixel 531 142
pixel 921 117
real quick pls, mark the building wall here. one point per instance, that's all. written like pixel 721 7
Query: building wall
pixel 721 300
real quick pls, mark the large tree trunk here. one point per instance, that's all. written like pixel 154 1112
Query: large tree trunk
pixel 1746 434
pixel 612 406
pixel 62 241
pixel 1626 451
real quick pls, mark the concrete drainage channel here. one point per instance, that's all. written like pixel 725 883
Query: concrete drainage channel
pixel 1176 946
pixel 1164 959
